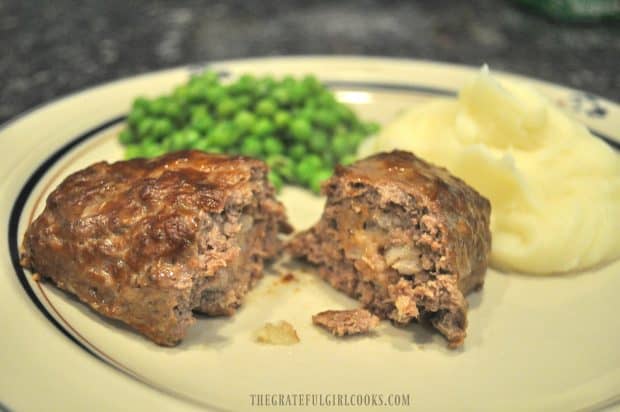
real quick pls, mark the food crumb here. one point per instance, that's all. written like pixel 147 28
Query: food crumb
pixel 289 277
pixel 36 277
pixel 346 322
pixel 281 333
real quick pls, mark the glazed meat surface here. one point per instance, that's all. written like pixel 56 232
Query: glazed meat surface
pixel 148 242
pixel 404 237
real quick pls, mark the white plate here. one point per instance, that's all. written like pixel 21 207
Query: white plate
pixel 533 343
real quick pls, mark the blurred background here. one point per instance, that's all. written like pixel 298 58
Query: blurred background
pixel 51 48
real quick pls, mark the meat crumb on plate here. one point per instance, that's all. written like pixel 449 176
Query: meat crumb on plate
pixel 346 322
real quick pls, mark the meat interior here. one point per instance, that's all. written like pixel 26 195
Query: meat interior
pixel 236 243
pixel 388 257
pixel 226 257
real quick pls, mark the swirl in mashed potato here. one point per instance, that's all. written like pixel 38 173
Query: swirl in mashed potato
pixel 553 187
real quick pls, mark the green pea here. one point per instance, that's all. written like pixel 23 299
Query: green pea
pixel 297 151
pixel 275 180
pixel 222 136
pixel 202 123
pixel 181 93
pixel 136 115
pixel 237 89
pixel 210 77
pixel 214 94
pixel 300 129
pixel 263 86
pixel 202 145
pixel 310 106
pixel 318 141
pixel 150 149
pixel 307 167
pixel 370 128
pixel 176 141
pixel 288 81
pixel 125 137
pixel 269 81
pixel 274 160
pixel 347 159
pixel 311 83
pixel 247 81
pixel 354 140
pixel 195 93
pixel 262 127
pixel 314 160
pixel 204 81
pixel 247 78
pixel 340 129
pixel 243 102
pixel 140 103
pixel 325 118
pixel 251 147
pixel 244 120
pixel 158 106
pixel 298 92
pixel 145 127
pixel 166 142
pixel 173 110
pixel 198 111
pixel 281 95
pixel 326 99
pixel 273 146
pixel 329 158
pixel 133 151
pixel 281 165
pixel 281 119
pixel 307 114
pixel 265 107
pixel 318 178
pixel 340 145
pixel 182 140
pixel 304 172
pixel 344 113
pixel 191 137
pixel 161 127
pixel 226 107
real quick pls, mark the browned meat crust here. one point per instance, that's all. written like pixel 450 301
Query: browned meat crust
pixel 149 241
pixel 346 322
pixel 404 237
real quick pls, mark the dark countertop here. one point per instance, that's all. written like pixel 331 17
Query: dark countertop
pixel 53 48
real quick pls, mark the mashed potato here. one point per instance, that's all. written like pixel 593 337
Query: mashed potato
pixel 553 187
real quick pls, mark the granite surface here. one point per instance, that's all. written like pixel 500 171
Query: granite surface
pixel 51 48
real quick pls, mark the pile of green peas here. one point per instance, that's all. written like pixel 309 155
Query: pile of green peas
pixel 296 125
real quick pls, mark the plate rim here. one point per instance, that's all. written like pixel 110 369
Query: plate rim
pixel 33 112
